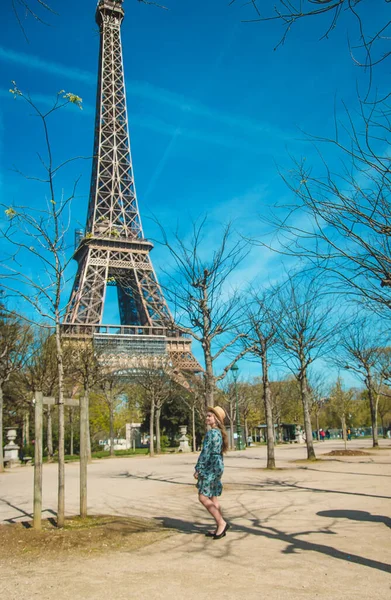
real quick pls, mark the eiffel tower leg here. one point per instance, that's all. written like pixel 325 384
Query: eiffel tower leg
pixel 88 294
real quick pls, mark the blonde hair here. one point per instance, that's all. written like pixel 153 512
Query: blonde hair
pixel 220 425
pixel 224 435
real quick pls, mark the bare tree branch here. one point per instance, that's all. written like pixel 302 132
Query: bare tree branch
pixel 205 306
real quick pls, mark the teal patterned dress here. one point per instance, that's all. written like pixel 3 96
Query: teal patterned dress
pixel 210 465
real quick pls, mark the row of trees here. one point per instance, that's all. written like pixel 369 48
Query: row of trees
pixel 152 398
pixel 289 326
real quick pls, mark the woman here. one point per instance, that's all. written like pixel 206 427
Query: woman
pixel 210 467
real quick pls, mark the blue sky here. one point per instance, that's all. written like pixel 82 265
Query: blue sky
pixel 212 107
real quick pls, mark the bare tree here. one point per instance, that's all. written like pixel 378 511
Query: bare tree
pixel 226 397
pixel 15 348
pixel 318 398
pixel 341 402
pixel 368 45
pixel 34 9
pixel 305 331
pixel 384 409
pixel 154 376
pixel 287 405
pixel 41 374
pixel 151 3
pixel 261 336
pixel 39 236
pixel 112 388
pixel 339 215
pixel 205 308
pixel 248 398
pixel 194 400
pixel 361 351
pixel 345 224
pixel 84 367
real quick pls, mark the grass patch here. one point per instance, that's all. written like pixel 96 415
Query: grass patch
pixel 106 453
pixel 90 536
pixel 100 454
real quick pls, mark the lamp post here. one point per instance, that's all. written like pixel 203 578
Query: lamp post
pixel 234 370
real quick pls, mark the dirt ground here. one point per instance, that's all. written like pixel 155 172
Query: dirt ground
pixel 305 530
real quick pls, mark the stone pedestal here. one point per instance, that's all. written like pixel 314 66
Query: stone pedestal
pixel 299 435
pixel 133 435
pixel 11 450
pixel 183 441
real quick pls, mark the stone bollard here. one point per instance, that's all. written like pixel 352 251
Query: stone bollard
pixel 183 441
pixel 11 450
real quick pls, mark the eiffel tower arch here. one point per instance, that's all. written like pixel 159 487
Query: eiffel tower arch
pixel 112 251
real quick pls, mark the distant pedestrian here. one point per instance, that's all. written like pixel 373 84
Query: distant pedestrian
pixel 210 467
pixel 349 434
pixel 322 435
pixel 328 434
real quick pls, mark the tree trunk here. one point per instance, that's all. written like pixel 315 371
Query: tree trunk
pixel 344 435
pixel 83 455
pixel 382 425
pixel 157 428
pixel 38 438
pixel 111 409
pixel 209 379
pixel 373 409
pixel 279 434
pixel 61 429
pixel 193 429
pixel 231 425
pixel 1 429
pixel 267 398
pixel 87 395
pixel 245 431
pixel 151 421
pixel 49 433
pixel 307 415
pixel 71 426
pixel 26 428
pixel 89 452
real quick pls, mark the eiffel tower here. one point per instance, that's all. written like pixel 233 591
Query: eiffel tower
pixel 113 250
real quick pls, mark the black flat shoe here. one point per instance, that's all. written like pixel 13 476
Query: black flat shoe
pixel 223 533
pixel 210 534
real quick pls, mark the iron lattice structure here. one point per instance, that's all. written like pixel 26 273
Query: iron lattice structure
pixel 113 250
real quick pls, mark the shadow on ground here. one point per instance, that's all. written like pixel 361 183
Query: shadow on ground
pixel 355 515
pixel 293 542
pixel 23 514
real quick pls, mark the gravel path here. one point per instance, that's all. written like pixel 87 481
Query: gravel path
pixel 319 530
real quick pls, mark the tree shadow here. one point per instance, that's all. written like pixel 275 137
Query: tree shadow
pixel 182 526
pixel 355 515
pixel 286 485
pixel 343 472
pixel 273 483
pixel 23 514
pixel 292 540
pixel 151 477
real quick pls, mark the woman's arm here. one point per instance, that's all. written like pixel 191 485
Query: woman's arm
pixel 204 456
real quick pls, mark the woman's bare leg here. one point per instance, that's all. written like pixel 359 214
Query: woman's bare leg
pixel 216 503
pixel 214 511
